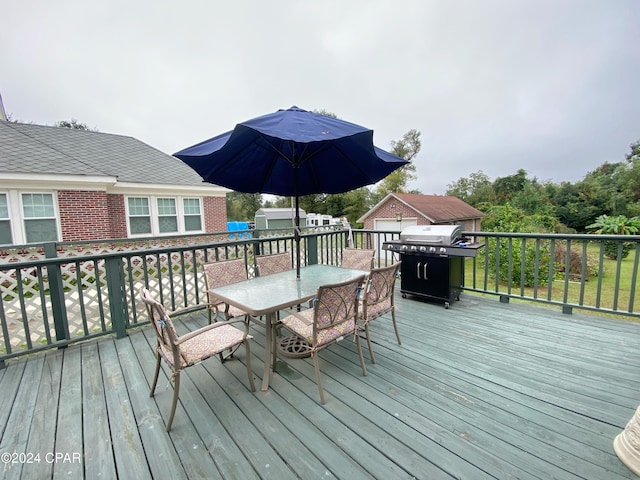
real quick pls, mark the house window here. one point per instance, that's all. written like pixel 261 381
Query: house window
pixel 5 221
pixel 192 215
pixel 167 215
pixel 28 218
pixel 39 217
pixel 139 215
pixel 164 215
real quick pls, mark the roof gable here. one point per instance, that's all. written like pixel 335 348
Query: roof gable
pixel 27 148
pixel 436 208
pixel 439 208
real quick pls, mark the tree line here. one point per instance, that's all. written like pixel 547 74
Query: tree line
pixel 520 203
pixel 606 197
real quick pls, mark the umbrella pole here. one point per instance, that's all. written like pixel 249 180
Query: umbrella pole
pixel 296 235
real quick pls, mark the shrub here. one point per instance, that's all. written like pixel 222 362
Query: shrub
pixel 575 262
pixel 615 225
pixel 533 251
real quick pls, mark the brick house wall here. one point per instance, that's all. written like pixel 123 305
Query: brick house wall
pixel 215 214
pixel 117 216
pixel 389 209
pixel 84 215
pixel 96 215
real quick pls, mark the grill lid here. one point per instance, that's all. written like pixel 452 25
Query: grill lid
pixel 432 234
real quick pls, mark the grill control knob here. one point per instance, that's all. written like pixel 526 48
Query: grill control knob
pixel 403 247
pixel 443 250
pixel 414 248
pixel 423 249
pixel 432 249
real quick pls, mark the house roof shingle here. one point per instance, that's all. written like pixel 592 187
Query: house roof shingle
pixel 28 148
pixel 439 208
pixel 436 208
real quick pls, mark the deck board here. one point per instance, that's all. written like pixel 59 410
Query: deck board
pixel 165 458
pixel 127 445
pixel 480 390
pixel 97 460
pixel 17 430
pixel 43 422
pixel 69 432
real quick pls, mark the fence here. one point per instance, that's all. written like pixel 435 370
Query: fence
pixel 55 294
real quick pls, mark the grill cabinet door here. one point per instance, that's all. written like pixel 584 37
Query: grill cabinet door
pixel 431 276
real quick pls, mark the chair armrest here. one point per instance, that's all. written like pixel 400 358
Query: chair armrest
pixel 184 310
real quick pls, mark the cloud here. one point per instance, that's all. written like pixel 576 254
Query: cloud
pixel 494 85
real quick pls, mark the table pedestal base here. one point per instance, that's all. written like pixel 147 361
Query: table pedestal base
pixel 294 347
pixel 627 444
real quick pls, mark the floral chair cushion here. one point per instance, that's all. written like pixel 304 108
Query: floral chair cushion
pixel 334 313
pixel 269 264
pixel 379 293
pixel 223 273
pixel 357 258
pixel 205 345
pixel 376 310
pixel 303 327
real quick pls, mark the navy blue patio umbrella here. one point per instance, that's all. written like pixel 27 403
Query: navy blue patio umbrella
pixel 292 153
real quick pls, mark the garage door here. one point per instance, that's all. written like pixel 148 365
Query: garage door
pixel 391 225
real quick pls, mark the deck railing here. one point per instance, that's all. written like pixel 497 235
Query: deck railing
pixel 57 293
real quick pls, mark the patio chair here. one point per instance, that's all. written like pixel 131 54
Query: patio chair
pixel 357 258
pixel 378 300
pixel 333 317
pixel 269 264
pixel 191 348
pixel 219 274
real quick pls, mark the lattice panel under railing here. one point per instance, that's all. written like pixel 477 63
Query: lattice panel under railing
pixel 175 279
pixel 86 300
pixel 21 254
pixel 27 312
pixel 26 308
pixel 28 323
pixel 25 253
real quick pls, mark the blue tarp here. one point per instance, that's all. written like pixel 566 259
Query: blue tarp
pixel 238 226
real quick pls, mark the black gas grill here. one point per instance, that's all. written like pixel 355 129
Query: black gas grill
pixel 432 261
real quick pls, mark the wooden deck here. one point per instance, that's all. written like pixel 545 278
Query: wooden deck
pixel 482 390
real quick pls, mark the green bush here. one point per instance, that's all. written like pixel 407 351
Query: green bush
pixel 535 252
pixel 615 225
pixel 510 219
pixel 611 249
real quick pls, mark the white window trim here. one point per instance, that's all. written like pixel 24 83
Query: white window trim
pixel 153 212
pixel 175 215
pixel 128 213
pixel 10 217
pixel 16 214
pixel 182 215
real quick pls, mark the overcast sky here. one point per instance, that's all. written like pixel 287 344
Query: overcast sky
pixel 550 86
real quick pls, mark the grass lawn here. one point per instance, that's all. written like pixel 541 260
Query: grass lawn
pixel 611 291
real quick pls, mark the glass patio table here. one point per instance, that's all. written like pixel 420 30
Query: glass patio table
pixel 269 294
